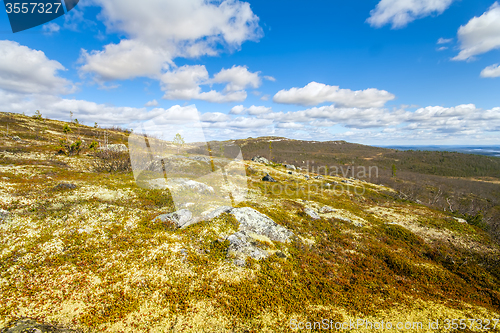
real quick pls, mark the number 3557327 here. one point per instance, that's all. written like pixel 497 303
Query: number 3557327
pixel 33 7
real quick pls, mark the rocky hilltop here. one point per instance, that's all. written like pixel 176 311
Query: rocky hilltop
pixel 85 248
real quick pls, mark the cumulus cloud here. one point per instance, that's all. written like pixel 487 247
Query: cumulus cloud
pixel 24 70
pixel 480 35
pixel 238 109
pixel 491 71
pixel 159 31
pixel 238 78
pixel 125 60
pixel 185 83
pixel 316 93
pixel 399 13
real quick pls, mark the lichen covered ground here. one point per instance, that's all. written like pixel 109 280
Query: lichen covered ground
pixel 91 258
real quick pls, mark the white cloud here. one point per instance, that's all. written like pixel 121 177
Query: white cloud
pixel 238 109
pixel 491 71
pixel 154 102
pixel 442 48
pixel 444 41
pixel 159 31
pixel 316 93
pixel 270 78
pixel 24 70
pixel 401 12
pixel 238 78
pixel 480 35
pixel 126 60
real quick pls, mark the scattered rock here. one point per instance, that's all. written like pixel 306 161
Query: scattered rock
pixel 358 224
pixel 312 214
pixel 180 219
pixel 299 169
pixel 459 220
pixel 290 173
pixel 16 138
pixel 347 182
pixel 290 167
pixel 258 223
pixel 260 159
pixel 319 177
pixel 65 186
pixel 307 177
pixel 326 209
pixel 268 178
pixel 26 325
pixel 4 216
pixel 117 148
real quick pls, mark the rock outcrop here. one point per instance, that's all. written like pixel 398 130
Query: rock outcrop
pixel 290 167
pixel 117 148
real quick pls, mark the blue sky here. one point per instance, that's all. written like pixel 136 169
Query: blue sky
pixel 373 72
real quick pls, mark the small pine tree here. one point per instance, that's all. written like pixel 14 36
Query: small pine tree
pixel 179 142
pixel 394 170
pixel 37 115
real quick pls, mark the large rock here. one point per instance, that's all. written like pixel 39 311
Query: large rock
pixel 4 216
pixel 268 178
pixel 290 167
pixel 254 227
pixel 26 325
pixel 260 159
pixel 241 246
pixel 253 221
pixel 179 219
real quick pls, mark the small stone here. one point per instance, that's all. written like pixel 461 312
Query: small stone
pixel 260 159
pixel 326 209
pixel 179 219
pixel 268 178
pixel 312 214
pixel 65 186
pixel 4 216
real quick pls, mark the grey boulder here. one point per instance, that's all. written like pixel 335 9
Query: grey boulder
pixel 253 221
